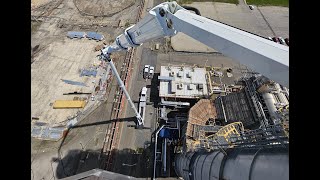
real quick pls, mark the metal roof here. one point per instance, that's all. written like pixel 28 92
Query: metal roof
pixel 184 82
pixel 74 34
pixel 94 35
pixel 45 132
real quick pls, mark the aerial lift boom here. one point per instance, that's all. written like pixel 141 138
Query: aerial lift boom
pixel 167 19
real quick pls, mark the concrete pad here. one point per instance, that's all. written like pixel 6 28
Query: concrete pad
pixel 264 21
pixel 278 18
pixel 189 44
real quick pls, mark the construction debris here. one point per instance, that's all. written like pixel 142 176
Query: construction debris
pixel 62 104
pixel 75 92
pixel 95 36
pixel 44 132
pixel 99 47
pixel 74 34
pixel 91 72
pixel 74 82
pixel 89 35
pixel 72 122
pixel 229 74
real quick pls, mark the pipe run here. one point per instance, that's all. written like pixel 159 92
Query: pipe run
pixel 164 156
pixel 155 152
pixel 238 164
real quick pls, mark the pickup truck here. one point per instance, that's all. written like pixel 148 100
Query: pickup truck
pixel 146 71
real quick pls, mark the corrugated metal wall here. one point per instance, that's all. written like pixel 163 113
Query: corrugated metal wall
pixel 239 164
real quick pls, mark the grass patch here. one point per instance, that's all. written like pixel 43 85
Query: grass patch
pixel 284 3
pixel 223 1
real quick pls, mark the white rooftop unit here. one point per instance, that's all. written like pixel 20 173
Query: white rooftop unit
pixel 173 87
pixel 180 73
pixel 200 87
pixel 189 75
pixel 191 86
pixel 180 86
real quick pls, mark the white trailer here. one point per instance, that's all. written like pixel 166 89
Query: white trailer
pixel 143 103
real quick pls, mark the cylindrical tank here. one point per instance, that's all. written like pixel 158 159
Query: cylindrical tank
pixel 277 86
pixel 283 99
pixel 238 164
pixel 270 101
pixel 286 91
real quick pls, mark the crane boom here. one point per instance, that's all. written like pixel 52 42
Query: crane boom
pixel 167 19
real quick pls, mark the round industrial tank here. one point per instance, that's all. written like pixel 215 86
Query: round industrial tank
pixel 286 91
pixel 282 98
pixel 238 164
pixel 277 86
pixel 270 101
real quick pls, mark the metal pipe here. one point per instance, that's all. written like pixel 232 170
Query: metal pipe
pixel 224 113
pixel 164 156
pixel 179 128
pixel 238 164
pixel 283 99
pixel 122 86
pixel 270 101
pixel 177 125
pixel 174 103
pixel 155 152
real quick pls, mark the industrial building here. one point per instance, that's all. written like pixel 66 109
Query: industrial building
pixel 276 101
pixel 238 135
pixel 205 140
pixel 240 106
pixel 259 102
pixel 183 82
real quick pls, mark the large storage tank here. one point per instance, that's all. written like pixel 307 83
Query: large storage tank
pixel 283 99
pixel 270 102
pixel 238 164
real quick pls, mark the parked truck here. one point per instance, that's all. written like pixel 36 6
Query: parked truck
pixel 143 103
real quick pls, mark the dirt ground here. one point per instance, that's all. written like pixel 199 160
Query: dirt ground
pixel 55 57
pixel 103 7
pixel 60 60
pixel 37 3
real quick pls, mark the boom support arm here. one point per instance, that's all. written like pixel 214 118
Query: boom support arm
pixel 167 19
